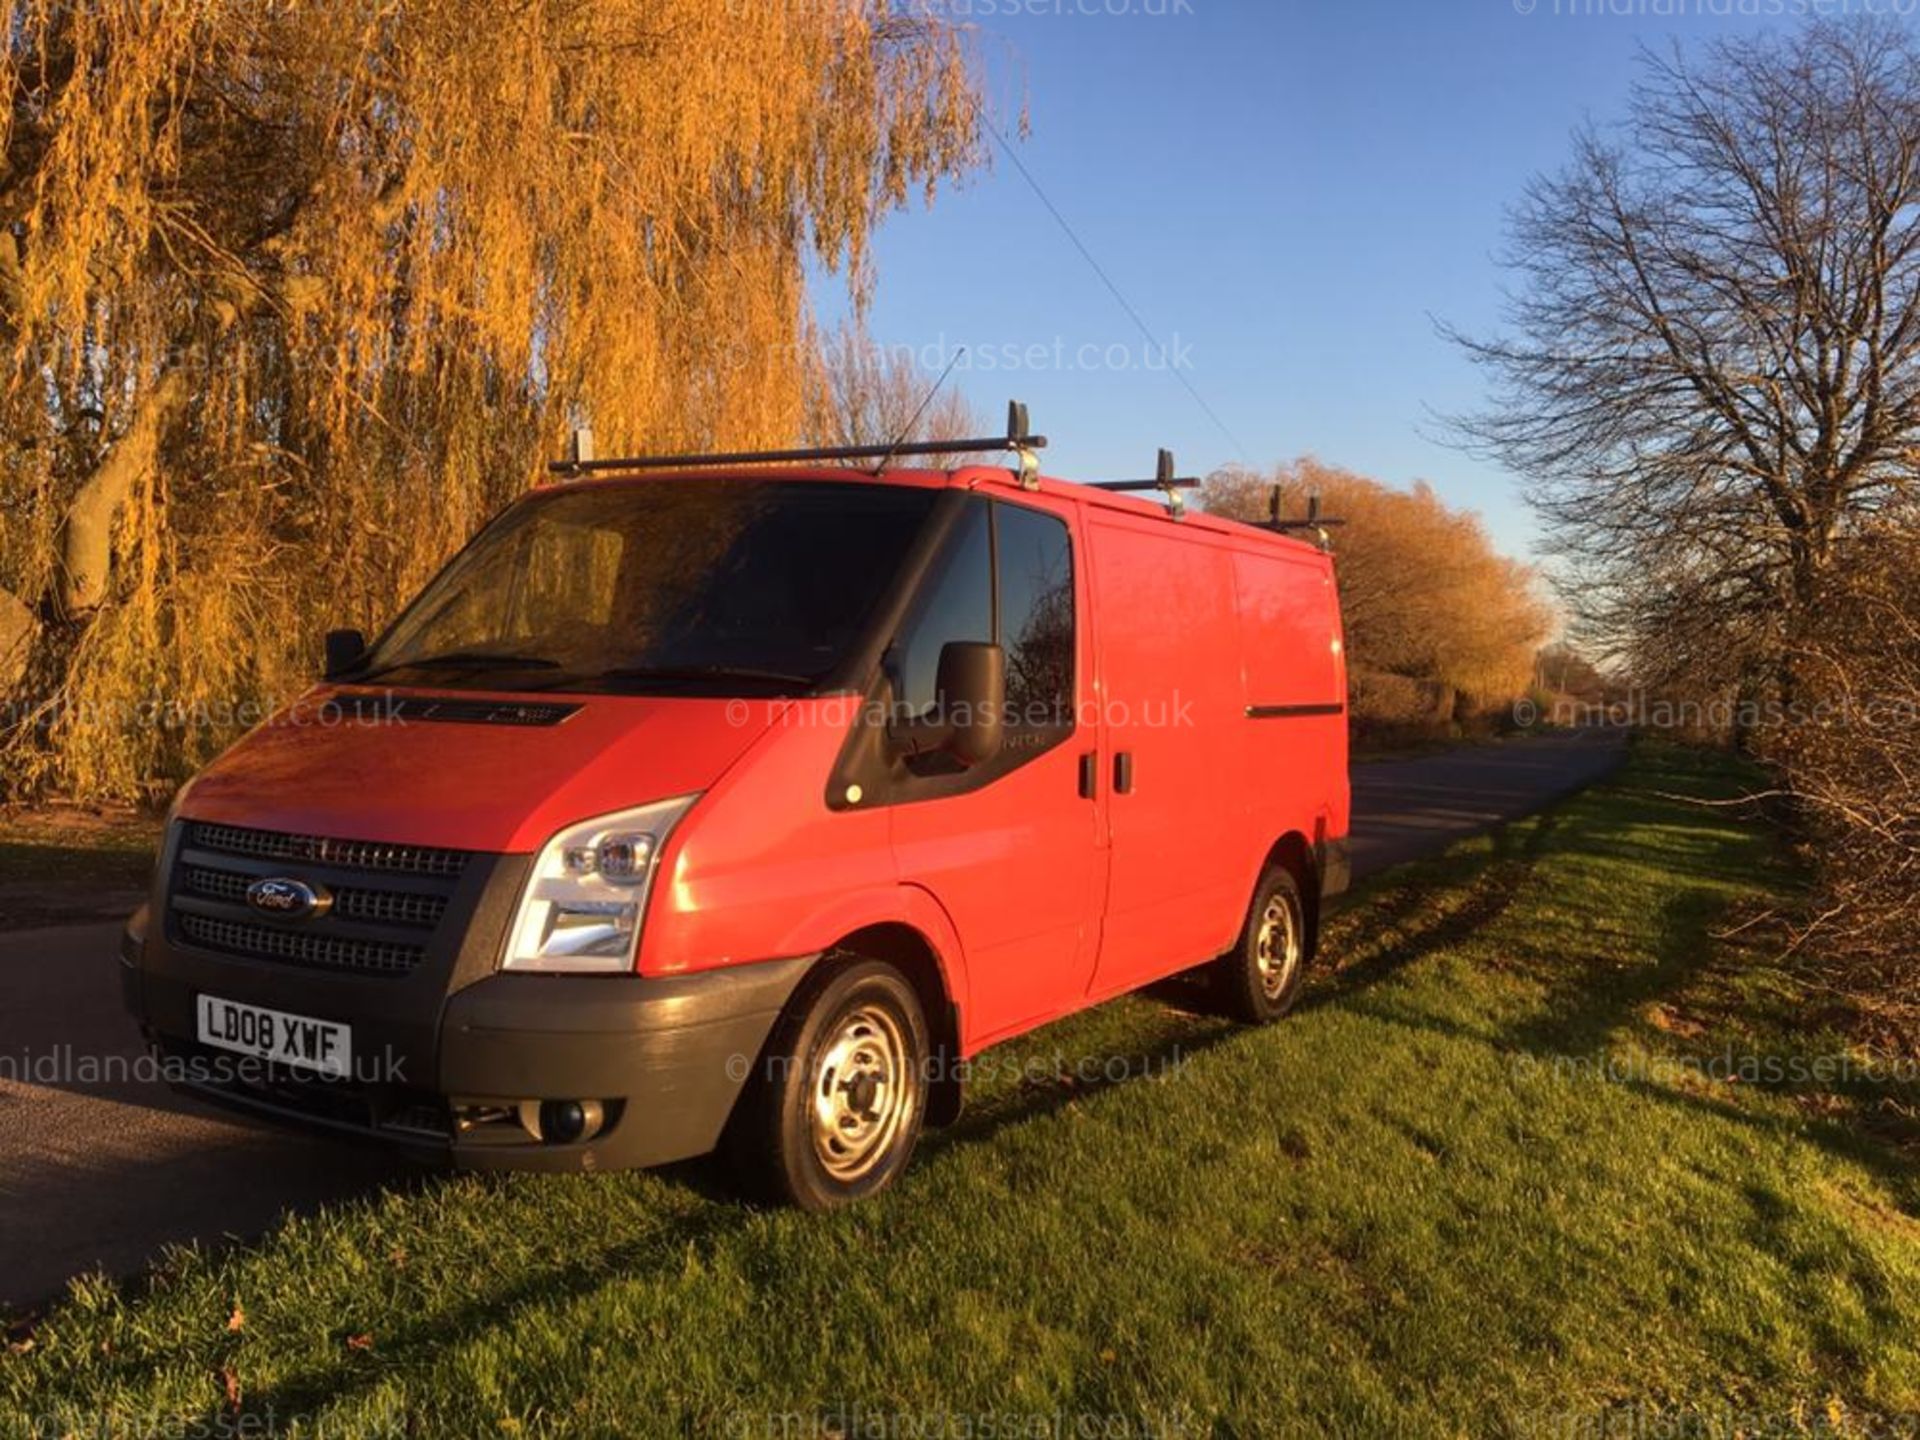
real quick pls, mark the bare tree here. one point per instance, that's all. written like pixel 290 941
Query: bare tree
pixel 1712 369
pixel 1855 768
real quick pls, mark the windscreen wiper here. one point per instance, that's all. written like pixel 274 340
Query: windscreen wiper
pixel 466 660
pixel 670 673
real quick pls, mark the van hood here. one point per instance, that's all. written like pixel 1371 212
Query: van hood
pixel 355 764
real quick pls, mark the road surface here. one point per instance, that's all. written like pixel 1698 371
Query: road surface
pixel 100 1168
pixel 1404 809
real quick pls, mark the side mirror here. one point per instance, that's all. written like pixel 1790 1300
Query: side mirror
pixel 968 720
pixel 345 649
pixel 972 686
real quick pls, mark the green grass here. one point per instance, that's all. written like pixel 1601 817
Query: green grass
pixel 1411 1208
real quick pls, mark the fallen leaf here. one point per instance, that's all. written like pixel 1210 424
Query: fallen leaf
pixel 230 1386
pixel 359 1342
pixel 237 1320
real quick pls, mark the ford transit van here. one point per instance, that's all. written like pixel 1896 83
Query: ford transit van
pixel 738 806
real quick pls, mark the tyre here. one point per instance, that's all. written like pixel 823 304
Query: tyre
pixel 835 1108
pixel 1260 978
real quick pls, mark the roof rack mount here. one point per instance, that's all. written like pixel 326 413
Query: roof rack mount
pixel 1314 521
pixel 1164 481
pixel 1016 439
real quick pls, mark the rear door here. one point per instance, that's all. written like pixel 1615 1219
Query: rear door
pixel 1172 707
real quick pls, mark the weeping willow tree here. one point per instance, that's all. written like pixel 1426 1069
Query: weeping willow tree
pixel 294 292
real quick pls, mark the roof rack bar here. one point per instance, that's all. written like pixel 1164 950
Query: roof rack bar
pixel 818 452
pixel 1163 479
pixel 1016 439
pixel 1183 483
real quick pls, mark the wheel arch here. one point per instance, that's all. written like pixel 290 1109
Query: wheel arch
pixel 1294 853
pixel 913 954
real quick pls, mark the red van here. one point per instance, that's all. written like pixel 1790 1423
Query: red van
pixel 738 805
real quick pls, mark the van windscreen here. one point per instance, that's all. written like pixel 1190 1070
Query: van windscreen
pixel 705 586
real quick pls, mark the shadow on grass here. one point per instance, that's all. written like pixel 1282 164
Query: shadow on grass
pixel 1590 1003
pixel 1440 906
pixel 414 1343
pixel 1589 1000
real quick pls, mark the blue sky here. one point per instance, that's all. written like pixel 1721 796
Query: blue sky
pixel 1287 192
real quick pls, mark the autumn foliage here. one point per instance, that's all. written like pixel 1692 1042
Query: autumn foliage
pixel 293 295
pixel 1440 627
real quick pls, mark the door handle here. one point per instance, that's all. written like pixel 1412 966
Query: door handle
pixel 1090 775
pixel 1123 773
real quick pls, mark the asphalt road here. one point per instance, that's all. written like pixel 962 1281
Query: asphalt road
pixel 102 1168
pixel 1404 809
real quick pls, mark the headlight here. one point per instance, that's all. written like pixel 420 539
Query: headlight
pixel 582 906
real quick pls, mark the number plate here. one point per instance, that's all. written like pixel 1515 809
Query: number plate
pixel 321 1045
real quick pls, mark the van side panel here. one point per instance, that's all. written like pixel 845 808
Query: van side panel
pixel 1286 615
pixel 1295 763
pixel 1173 702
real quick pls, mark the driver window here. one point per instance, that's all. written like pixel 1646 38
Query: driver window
pixel 956 603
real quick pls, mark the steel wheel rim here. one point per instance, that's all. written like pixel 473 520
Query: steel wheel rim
pixel 862 1092
pixel 1276 947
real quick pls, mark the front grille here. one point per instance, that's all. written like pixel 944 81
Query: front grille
pixel 301 947
pixel 390 907
pixel 376 907
pixel 389 902
pixel 346 854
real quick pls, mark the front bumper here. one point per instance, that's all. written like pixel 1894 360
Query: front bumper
pixel 444 1058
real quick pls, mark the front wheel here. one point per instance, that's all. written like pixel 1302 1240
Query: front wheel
pixel 1261 977
pixel 835 1109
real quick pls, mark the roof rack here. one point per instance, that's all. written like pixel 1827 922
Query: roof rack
pixel 1165 481
pixel 1017 440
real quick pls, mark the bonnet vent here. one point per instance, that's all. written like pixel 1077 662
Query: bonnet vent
pixel 404 709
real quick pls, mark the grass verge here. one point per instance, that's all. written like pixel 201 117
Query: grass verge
pixel 1520 1165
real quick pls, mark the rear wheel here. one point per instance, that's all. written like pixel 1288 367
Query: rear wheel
pixel 1261 977
pixel 836 1107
